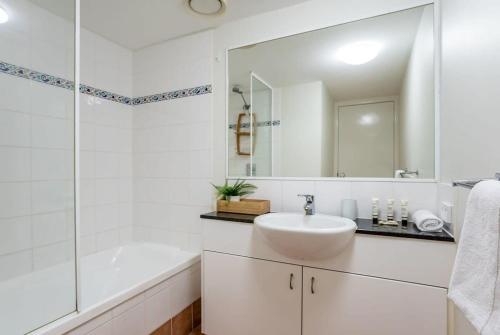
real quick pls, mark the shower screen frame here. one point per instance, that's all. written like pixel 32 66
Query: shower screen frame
pixel 254 76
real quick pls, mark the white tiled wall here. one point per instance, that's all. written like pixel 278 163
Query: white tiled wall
pixel 166 146
pixel 106 146
pixel 172 142
pixel 176 64
pixel 36 143
pixel 328 195
pixel 37 39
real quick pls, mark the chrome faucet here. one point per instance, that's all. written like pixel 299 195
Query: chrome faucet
pixel 309 206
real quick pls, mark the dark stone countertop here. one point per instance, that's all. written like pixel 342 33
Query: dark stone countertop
pixel 365 226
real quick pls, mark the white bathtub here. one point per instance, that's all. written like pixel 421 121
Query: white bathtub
pixel 111 282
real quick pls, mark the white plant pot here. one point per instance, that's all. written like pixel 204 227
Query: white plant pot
pixel 234 198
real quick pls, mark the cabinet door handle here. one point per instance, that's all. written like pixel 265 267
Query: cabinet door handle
pixel 291 281
pixel 312 285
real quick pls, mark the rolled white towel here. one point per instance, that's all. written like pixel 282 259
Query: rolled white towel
pixel 426 221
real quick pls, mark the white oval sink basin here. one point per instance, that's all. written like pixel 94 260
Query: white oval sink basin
pixel 302 236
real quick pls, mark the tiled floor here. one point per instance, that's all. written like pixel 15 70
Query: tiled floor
pixel 187 322
pixel 197 331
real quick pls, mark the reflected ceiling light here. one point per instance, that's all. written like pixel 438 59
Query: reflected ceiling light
pixel 207 7
pixel 4 17
pixel 368 119
pixel 358 53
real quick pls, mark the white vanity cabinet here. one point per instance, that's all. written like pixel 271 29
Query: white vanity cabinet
pixel 251 296
pixel 379 285
pixel 248 296
pixel 337 303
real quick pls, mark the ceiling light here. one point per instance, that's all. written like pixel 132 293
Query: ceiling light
pixel 358 53
pixel 207 7
pixel 4 17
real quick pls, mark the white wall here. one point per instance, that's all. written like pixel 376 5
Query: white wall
pixel 306 131
pixel 327 134
pixel 172 142
pixel 469 94
pixel 469 101
pixel 301 124
pixel 36 143
pixel 417 107
pixel 105 146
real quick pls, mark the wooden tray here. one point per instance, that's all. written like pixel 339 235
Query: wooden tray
pixel 245 206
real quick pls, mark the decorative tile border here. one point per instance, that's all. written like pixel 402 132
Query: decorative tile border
pixel 188 92
pixel 44 78
pixel 89 90
pixel 273 123
pixel 40 77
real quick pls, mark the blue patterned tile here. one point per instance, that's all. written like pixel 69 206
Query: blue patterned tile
pixel 40 77
pixel 89 90
pixel 22 72
pixel 259 124
pixel 188 92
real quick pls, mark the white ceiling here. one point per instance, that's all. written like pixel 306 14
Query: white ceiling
pixel 135 24
pixel 310 57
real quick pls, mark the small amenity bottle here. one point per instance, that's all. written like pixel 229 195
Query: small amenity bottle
pixel 404 214
pixel 390 210
pixel 375 211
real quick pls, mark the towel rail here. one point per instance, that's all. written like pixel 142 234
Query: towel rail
pixel 471 183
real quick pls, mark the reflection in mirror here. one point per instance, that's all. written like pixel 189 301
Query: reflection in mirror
pixel 354 100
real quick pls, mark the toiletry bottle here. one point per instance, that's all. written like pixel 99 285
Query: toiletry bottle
pixel 375 211
pixel 390 210
pixel 404 214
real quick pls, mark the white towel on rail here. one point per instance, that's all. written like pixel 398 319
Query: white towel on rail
pixel 475 282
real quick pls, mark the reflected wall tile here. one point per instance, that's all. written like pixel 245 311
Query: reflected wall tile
pixel 15 199
pixel 16 264
pixel 15 164
pixel 15 128
pixel 15 234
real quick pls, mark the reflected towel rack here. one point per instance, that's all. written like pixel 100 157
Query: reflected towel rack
pixel 471 183
pixel 407 174
pixel 252 133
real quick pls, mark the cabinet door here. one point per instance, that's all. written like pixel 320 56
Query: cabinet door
pixel 247 296
pixel 337 303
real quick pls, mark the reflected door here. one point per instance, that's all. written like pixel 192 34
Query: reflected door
pixel 366 140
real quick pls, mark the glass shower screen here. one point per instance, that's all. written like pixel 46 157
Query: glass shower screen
pixel 37 149
pixel 261 106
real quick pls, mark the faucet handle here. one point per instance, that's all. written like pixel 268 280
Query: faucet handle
pixel 309 197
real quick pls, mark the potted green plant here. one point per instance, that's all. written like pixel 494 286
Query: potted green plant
pixel 234 192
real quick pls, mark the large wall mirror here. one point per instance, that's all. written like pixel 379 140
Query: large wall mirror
pixel 353 100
